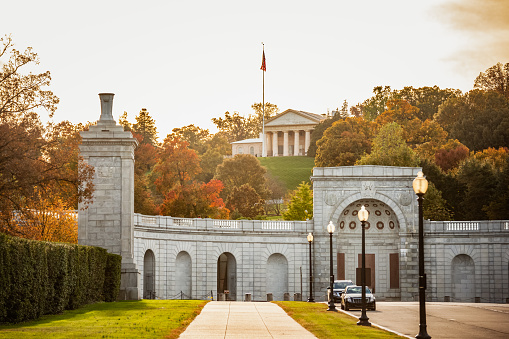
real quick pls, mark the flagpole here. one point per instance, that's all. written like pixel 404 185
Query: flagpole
pixel 264 150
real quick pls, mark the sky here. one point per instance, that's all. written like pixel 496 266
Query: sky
pixel 187 62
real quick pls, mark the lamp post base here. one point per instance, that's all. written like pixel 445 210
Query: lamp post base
pixel 311 300
pixel 423 334
pixel 332 307
pixel 363 320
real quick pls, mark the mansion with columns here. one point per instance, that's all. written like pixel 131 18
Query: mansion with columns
pixel 286 134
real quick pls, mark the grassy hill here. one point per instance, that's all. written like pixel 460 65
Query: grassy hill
pixel 290 170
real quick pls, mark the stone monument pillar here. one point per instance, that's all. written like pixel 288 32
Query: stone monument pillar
pixel 109 221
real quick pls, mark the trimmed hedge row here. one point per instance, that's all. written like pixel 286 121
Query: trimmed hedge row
pixel 39 277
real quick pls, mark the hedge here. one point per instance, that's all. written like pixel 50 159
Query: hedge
pixel 38 277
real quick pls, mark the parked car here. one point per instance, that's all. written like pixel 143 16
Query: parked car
pixel 352 298
pixel 339 288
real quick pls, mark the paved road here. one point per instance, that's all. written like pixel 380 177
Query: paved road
pixel 444 320
pixel 225 319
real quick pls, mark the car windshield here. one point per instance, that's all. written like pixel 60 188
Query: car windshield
pixel 356 290
pixel 341 284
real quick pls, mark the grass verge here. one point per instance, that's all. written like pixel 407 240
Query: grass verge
pixel 290 170
pixel 315 318
pixel 123 319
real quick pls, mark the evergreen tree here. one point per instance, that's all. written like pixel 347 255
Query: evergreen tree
pixel 145 126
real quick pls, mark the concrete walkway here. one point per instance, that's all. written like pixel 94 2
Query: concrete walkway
pixel 226 319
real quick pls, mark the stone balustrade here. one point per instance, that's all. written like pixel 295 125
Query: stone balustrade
pixel 482 226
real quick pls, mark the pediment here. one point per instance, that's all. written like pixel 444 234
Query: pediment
pixel 293 117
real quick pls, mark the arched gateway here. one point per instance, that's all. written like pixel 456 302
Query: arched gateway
pixel 203 257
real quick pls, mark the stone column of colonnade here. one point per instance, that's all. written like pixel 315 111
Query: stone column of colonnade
pixel 296 142
pixel 286 143
pixel 109 221
pixel 274 144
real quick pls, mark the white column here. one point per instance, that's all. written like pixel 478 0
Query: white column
pixel 285 143
pixel 307 142
pixel 296 143
pixel 274 144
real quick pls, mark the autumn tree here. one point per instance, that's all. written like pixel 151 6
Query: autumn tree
pixel 300 206
pixel 245 201
pixel 434 206
pixel 145 126
pixel 274 203
pixel 242 169
pixel 498 208
pixel 195 136
pixel 451 155
pixel 376 105
pixel 495 78
pixel 426 99
pixel 478 119
pixel 390 149
pixel 318 132
pixel 35 162
pixel 344 142
pixel 235 127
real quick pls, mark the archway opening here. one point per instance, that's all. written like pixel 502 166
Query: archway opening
pixel 277 276
pixel 463 278
pixel 227 276
pixel 149 268
pixel 183 275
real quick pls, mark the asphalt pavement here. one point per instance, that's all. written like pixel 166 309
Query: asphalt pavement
pixel 444 320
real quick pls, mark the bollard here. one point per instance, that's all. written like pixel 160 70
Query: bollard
pixel 477 299
pixel 270 297
pixel 247 297
pixel 221 297
pixel 286 297
pixel 297 297
pixel 447 298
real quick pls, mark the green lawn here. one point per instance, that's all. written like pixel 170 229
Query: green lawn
pixel 315 318
pixel 290 170
pixel 124 319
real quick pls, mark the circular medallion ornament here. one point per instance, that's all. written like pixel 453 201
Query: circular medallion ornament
pixel 375 205
pixel 383 205
pixel 352 225
pixel 405 199
pixel 380 225
pixel 355 212
pixel 358 205
pixel 342 224
pixel 367 225
pixel 346 212
pixel 391 225
pixel 378 213
pixel 387 212
pixel 366 205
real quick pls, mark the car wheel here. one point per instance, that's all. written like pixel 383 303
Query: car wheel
pixel 342 307
pixel 346 307
pixel 374 306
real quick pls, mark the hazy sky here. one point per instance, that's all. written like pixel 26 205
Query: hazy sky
pixel 190 61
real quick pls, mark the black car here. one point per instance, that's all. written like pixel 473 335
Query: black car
pixel 338 288
pixel 352 298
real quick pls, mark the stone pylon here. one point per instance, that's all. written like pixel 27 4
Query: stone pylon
pixel 109 221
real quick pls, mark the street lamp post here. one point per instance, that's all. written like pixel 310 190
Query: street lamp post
pixel 310 299
pixel 332 307
pixel 363 217
pixel 420 186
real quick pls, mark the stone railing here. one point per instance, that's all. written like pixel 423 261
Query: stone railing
pixel 466 226
pixel 164 222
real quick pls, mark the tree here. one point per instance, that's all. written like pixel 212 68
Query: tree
pixel 498 208
pixel 495 157
pixel 246 201
pixel 300 206
pixel 177 165
pixel 122 121
pixel 274 203
pixel 318 132
pixel 209 162
pixel 35 162
pixel 390 149
pixel 478 119
pixel 235 127
pixel 145 126
pixel 195 136
pixel 451 155
pixel 376 105
pixel 426 99
pixel 271 110
pixel 495 78
pixel 344 142
pixel 435 206
pixel 242 169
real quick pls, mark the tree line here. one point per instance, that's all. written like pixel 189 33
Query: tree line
pixel 460 140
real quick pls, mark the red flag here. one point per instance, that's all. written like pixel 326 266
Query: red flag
pixel 263 68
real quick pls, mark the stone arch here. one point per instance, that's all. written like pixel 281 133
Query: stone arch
pixel 149 275
pixel 341 206
pixel 183 274
pixel 277 275
pixel 227 275
pixel 463 278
